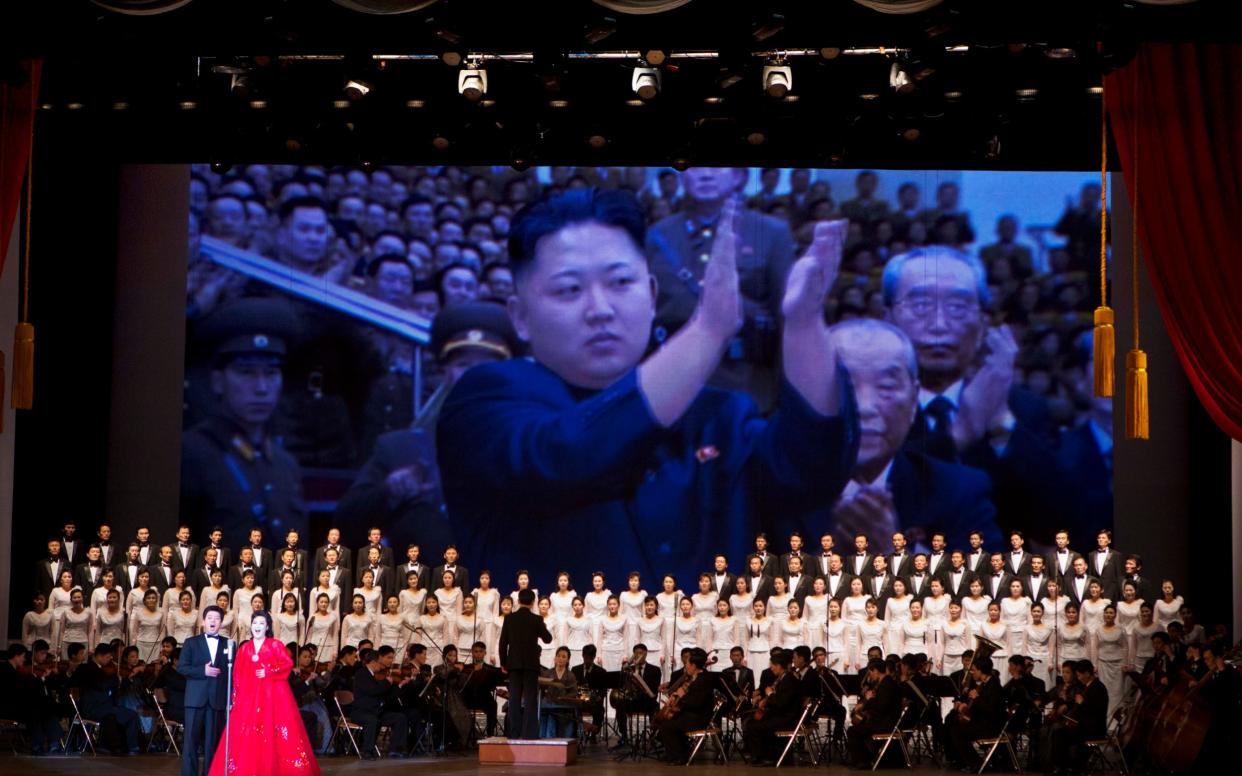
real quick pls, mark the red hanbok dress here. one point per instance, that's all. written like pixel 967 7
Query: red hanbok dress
pixel 266 734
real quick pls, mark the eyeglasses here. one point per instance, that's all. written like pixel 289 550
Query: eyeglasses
pixel 924 307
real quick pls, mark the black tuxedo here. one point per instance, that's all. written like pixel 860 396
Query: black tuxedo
pixel 463 576
pixel 1092 716
pixel 46 577
pixel 1052 564
pixel 994 588
pixel 641 703
pixel 363 554
pixel 962 589
pixel 149 553
pixel 263 557
pixel 187 563
pixel 1024 563
pixel 843 586
pixel 345 558
pixel 725 586
pixel 858 565
pixel 783 705
pixel 762 590
pixel 235 576
pixel 160 580
pixel 879 589
pixel 785 561
pixel 201 578
pixel 110 553
pixel 919 586
pixel 1071 589
pixel 121 573
pixel 79 551
pixel 738 679
pixel 1035 589
pixel 938 564
pixel 803 588
pixel 424 576
pixel 771 563
pixel 583 674
pixel 987 716
pixel 206 699
pixel 519 655
pixel 384 578
pixel 82 578
pixel 978 562
pixel 820 567
pixel 1113 571
pixel 223 556
pixel 1144 587
pixel 903 567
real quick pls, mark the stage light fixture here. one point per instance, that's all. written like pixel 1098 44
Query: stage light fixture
pixel 654 57
pixel 830 52
pixel 472 83
pixel 1026 95
pixel 1060 52
pixel 258 104
pixel 120 105
pixel 756 138
pixel 558 103
pixel 356 90
pixel 241 85
pixel 74 105
pixel 187 105
pixel 1095 91
pixel 597 141
pixel 340 104
pixel 910 134
pixel 645 82
pixel 899 79
pixel 777 80
pixel 451 58
pixel 415 104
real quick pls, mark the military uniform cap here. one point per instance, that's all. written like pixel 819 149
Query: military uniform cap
pixel 251 326
pixel 482 325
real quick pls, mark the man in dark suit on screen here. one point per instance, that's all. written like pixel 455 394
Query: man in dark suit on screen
pixel 894 488
pixel 519 655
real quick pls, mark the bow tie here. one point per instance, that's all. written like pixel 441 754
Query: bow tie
pixel 213 637
pixel 143 545
pixel 256 549
pixel 96 564
pixel 999 574
pixel 105 544
pixel 183 544
pixel 164 563
pixel 918 575
pixel 1081 576
pixel 331 568
pixel 1016 552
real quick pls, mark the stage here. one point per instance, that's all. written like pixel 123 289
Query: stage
pixel 594 762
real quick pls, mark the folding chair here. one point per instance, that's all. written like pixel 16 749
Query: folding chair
pixel 712 732
pixel 806 731
pixel 343 698
pixel 164 725
pixel 994 742
pixel 896 734
pixel 88 727
pixel 1099 761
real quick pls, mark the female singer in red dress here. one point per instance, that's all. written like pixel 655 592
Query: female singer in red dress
pixel 266 736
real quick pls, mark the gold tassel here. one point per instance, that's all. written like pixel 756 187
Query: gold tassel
pixel 1105 351
pixel 1138 414
pixel 23 367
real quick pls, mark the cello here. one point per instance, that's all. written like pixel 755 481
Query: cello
pixel 671 708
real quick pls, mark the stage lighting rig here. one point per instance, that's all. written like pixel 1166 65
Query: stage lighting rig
pixel 646 82
pixel 472 82
pixel 777 79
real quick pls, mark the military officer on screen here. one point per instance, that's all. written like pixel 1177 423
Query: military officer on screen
pixel 234 473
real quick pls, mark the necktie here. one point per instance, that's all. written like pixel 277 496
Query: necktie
pixel 940 442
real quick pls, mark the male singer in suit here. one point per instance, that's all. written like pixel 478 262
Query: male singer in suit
pixel 344 557
pixel 47 570
pixel 996 580
pixel 1061 560
pixel 938 558
pixel 957 577
pixel 185 552
pixel 203 663
pixel 1106 564
pixel 837 580
pixel 818 565
pixel 1078 582
pixel 798 581
pixel 795 551
pixel 461 574
pixel 900 561
pixel 977 557
pixel 858 563
pixel 519 655
pixel 1017 560
pixel 723 583
pixel 1035 581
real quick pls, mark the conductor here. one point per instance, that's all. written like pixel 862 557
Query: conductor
pixel 519 655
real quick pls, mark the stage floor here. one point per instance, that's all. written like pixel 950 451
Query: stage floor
pixel 593 762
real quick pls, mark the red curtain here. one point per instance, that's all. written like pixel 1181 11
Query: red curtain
pixel 1182 105
pixel 17 107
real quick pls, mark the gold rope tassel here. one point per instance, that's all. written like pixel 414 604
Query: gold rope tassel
pixel 1138 411
pixel 22 396
pixel 1105 335
pixel 1104 340
pixel 1138 415
pixel 23 367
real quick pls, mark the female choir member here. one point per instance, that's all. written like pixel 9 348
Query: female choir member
pixel 110 620
pixel 287 625
pixel 147 626
pixel 1037 642
pixel 550 621
pixel 996 630
pixel 391 626
pixel 99 596
pixel 758 637
pixel 597 600
pixel 372 596
pixel 577 630
pixel 323 630
pixel 975 606
pixel 869 633
pixel 653 631
pixel 1054 608
pixel 37 623
pixel 705 600
pixel 207 596
pixel 778 602
pixel 854 607
pixel 486 600
pixel 183 621
pixel 914 636
pixel 1109 650
pixel 1128 608
pixel 1091 612
pixel 359 624
pixel 612 636
pixel 62 595
pixel 956 636
pixel 740 599
pixel 669 597
pixel 686 629
pixel 1167 609
pixel 563 598
pixel 172 596
pixel 724 631
pixel 838 637
pixel 815 611
pixel 287 581
pixel 1072 637
pixel 1016 614
pixel 632 599
pixel 411 598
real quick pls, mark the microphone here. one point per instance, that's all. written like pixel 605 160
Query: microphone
pixel 228 649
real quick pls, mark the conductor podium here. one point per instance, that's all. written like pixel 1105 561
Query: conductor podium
pixel 513 751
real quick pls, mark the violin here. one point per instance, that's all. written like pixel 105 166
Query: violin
pixel 672 708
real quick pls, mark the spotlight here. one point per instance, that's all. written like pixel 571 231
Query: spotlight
pixel 645 82
pixel 654 57
pixel 340 104
pixel 472 83
pixel 597 141
pixel 120 105
pixel 258 104
pixel 899 79
pixel 187 105
pixel 681 161
pixel 74 105
pixel 910 134
pixel 777 80
pixel 1060 52
pixel 440 142
pixel 1095 90
pixel 1026 95
pixel 415 104
pixel 451 58
pixel 356 90
pixel 558 103
pixel 756 138
pixel 830 52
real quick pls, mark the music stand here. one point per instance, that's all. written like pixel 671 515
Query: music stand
pixel 851 684
pixel 605 682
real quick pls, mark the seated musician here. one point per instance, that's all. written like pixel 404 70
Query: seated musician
pixel 583 676
pixel 478 688
pixel 373 689
pixel 447 678
pixel 414 693
pixel 766 676
pixel 780 706
pixel 637 697
pixel 677 672
pixel 1162 666
pixel 558 714
pixel 737 680
pixel 1086 719
pixel 694 698
pixel 1025 692
pixel 307 684
pixel 830 706
pixel 979 715
pixel 877 712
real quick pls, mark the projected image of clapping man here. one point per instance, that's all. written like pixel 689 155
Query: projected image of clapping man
pixel 592 442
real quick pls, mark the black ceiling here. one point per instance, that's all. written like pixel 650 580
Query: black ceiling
pixel 971 108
